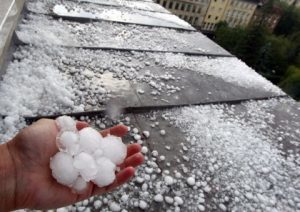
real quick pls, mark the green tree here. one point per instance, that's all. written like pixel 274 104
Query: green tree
pixel 249 48
pixel 289 22
pixel 291 82
pixel 229 38
pixel 279 49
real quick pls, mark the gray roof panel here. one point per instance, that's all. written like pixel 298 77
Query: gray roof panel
pixel 69 9
pixel 139 5
pixel 40 29
pixel 90 79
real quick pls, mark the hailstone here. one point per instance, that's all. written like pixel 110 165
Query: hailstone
pixel 66 123
pixel 80 185
pixel 86 166
pixel 68 142
pixel 63 170
pixel 114 149
pixel 89 139
pixel 106 172
pixel 85 156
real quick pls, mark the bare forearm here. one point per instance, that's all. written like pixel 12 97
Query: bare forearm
pixel 7 179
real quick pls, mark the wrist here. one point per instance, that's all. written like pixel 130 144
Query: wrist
pixel 7 179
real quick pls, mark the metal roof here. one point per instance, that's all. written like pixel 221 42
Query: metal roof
pixel 226 126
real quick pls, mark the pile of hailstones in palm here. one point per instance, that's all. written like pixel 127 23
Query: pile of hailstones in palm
pixel 85 156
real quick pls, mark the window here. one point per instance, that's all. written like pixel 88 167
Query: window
pixel 213 26
pixel 216 18
pixel 199 10
pixel 188 8
pixel 164 3
pixel 182 7
pixel 196 20
pixel 176 6
pixel 171 5
pixel 208 16
pixel 194 8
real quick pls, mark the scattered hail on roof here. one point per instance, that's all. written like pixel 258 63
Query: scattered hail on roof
pixel 243 165
pixel 243 161
pixel 102 12
pixel 149 6
pixel 36 29
pixel 76 78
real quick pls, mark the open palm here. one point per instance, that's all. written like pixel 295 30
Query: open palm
pixel 31 151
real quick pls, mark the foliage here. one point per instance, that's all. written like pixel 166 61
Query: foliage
pixel 289 23
pixel 276 56
pixel 291 82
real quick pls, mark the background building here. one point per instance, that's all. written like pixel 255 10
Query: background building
pixel 214 14
pixel 192 11
pixel 205 14
pixel 270 19
pixel 239 12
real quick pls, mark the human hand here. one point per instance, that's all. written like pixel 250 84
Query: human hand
pixel 34 187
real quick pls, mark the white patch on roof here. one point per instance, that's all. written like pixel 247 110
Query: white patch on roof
pixel 140 5
pixel 38 29
pixel 102 12
pixel 247 165
pixel 230 70
pixel 27 85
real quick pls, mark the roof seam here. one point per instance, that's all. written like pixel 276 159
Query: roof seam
pixel 92 48
pixel 143 109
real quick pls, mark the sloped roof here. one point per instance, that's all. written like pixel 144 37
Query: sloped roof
pixel 226 127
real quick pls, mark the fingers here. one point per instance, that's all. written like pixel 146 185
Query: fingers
pixel 133 161
pixel 119 131
pixel 132 149
pixel 122 177
pixel 81 124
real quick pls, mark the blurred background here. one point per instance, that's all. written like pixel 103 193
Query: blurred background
pixel 264 34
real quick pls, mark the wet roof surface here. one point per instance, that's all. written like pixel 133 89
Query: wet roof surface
pixel 82 11
pixel 222 137
pixel 44 29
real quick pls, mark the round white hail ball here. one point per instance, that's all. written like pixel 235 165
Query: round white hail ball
pixel 66 123
pixel 80 185
pixel 86 165
pixel 114 149
pixel 68 141
pixel 89 140
pixel 62 169
pixel 106 172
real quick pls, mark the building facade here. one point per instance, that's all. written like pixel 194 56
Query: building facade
pixel 239 12
pixel 234 12
pixel 269 20
pixel 192 11
pixel 214 14
pixel 206 14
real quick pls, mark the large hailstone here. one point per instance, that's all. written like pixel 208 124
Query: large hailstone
pixel 114 149
pixel 89 140
pixel 86 166
pixel 66 123
pixel 106 172
pixel 68 141
pixel 85 156
pixel 80 185
pixel 63 170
